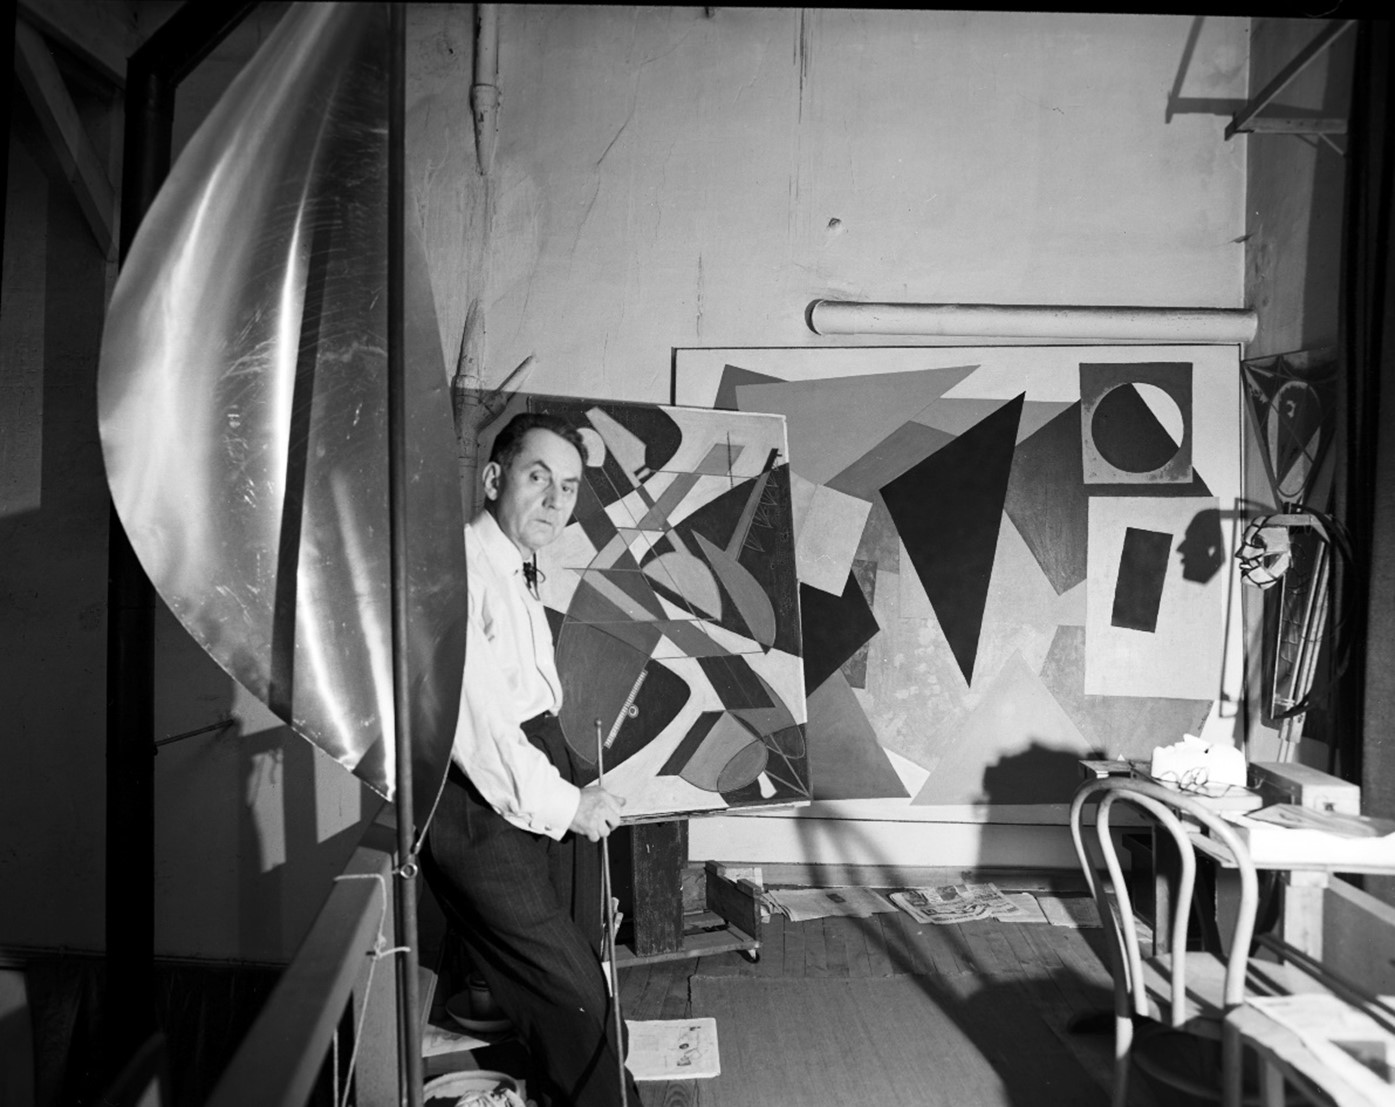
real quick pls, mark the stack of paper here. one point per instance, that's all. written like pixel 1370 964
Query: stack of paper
pixel 956 903
pixel 1287 833
pixel 801 904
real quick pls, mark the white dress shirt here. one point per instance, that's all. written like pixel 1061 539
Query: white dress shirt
pixel 510 676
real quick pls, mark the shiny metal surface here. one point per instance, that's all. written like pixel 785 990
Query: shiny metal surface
pixel 243 405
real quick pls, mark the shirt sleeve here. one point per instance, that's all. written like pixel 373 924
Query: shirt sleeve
pixel 512 774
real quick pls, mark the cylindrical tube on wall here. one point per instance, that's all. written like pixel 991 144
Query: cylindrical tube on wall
pixel 1121 324
pixel 484 92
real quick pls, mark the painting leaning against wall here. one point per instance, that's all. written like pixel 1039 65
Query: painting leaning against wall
pixel 674 602
pixel 1009 557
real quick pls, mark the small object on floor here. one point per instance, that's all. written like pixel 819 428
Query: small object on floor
pixel 481 1088
pixel 482 1004
pixel 957 903
pixel 673 1049
pixel 802 904
pixel 460 1007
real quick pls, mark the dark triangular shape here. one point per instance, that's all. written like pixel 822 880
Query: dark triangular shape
pixel 833 628
pixel 948 510
pixel 732 376
pixel 1046 499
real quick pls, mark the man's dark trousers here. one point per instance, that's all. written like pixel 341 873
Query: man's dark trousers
pixel 528 910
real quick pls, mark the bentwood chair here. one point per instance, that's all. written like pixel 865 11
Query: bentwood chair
pixel 1181 995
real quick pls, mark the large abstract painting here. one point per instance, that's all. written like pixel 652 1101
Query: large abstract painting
pixel 674 603
pixel 1009 558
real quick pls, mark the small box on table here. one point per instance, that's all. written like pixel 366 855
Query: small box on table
pixel 1305 786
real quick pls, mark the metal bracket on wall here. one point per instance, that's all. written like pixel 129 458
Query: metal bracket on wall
pixel 1244 121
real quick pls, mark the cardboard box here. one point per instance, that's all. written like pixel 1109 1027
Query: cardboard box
pixel 1305 786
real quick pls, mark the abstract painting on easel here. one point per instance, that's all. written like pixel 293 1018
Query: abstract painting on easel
pixel 674 604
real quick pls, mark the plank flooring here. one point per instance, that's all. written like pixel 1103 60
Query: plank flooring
pixel 1059 973
pixel 989 977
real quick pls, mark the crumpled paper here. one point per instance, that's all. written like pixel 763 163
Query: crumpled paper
pixel 1193 763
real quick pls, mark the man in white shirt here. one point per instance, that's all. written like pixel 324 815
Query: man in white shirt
pixel 510 853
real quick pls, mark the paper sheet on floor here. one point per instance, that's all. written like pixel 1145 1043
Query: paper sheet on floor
pixel 956 903
pixel 673 1049
pixel 1072 911
pixel 818 903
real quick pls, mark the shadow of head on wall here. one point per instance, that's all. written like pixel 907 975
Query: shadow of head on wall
pixel 1038 774
pixel 1202 548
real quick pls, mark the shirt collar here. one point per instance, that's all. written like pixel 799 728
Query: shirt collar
pixel 497 545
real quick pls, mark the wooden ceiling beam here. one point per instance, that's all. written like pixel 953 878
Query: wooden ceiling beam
pixel 62 125
pixel 103 33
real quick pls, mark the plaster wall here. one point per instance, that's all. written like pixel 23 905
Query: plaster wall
pixel 667 178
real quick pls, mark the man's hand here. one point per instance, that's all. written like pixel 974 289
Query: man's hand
pixel 598 814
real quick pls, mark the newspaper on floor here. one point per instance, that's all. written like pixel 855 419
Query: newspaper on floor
pixel 956 903
pixel 673 1049
pixel 801 904
pixel 1072 911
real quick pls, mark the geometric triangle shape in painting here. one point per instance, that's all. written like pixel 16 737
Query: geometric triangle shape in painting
pixel 833 422
pixel 732 376
pixel 1036 414
pixel 908 445
pixel 948 510
pixel 1046 499
pixel 954 417
pixel 1119 726
pixel 834 628
pixel 1070 607
pixel 1017 746
pixel 845 759
pixel 1018 617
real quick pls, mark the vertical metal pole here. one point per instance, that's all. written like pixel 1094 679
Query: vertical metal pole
pixel 130 846
pixel 409 1029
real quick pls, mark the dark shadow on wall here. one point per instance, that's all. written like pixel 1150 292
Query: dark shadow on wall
pixel 1038 774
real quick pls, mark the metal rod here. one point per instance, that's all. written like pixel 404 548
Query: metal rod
pixel 1321 41
pixel 409 1029
pixel 610 927
pixel 221 724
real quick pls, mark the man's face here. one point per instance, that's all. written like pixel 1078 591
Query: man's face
pixel 533 498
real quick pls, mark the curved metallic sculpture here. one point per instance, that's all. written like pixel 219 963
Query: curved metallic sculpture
pixel 243 406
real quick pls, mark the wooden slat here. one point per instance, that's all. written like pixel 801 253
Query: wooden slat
pixel 793 961
pixel 836 933
pixel 1294 125
pixel 658 853
pixel 58 116
pixel 772 947
pixel 104 33
pixel 279 1060
pixel 1358 939
pixel 736 901
pixel 1320 42
pixel 815 948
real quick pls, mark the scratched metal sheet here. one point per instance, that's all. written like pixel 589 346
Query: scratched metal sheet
pixel 243 405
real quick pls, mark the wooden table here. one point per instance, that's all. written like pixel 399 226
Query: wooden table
pixel 1286 1059
pixel 1304 881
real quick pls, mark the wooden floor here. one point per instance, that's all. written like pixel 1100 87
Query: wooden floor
pixel 1058 970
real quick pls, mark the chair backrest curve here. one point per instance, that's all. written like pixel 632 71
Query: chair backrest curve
pixel 1167 808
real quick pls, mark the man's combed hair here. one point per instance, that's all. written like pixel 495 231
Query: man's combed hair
pixel 509 441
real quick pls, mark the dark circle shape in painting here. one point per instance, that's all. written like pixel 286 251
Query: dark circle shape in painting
pixel 1128 435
